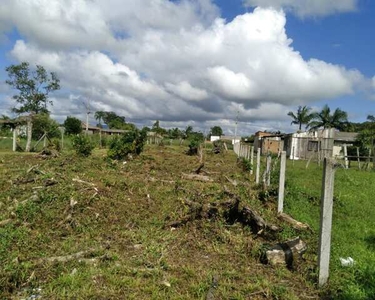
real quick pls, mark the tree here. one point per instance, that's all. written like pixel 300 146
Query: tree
pixel 72 125
pixel 302 116
pixel 34 87
pixel 113 120
pixel 99 115
pixel 156 128
pixel 216 131
pixel 42 124
pixel 324 119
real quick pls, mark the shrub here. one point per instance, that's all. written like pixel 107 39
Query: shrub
pixel 72 125
pixel 82 145
pixel 195 141
pixel 129 143
pixel 245 164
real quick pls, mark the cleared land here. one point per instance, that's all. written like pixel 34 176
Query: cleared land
pixel 90 228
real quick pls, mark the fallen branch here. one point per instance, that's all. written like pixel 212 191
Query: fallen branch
pixel 67 258
pixel 233 182
pixel 214 285
pixel 256 222
pixel 5 222
pixel 296 224
pixel 197 177
pixel 197 171
pixel 83 182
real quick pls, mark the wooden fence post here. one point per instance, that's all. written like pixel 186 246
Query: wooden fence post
pixel 280 206
pixel 326 209
pixel 258 167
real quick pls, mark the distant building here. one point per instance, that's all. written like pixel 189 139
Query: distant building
pixel 268 142
pixel 232 139
pixel 304 145
pixel 214 138
pixel 98 130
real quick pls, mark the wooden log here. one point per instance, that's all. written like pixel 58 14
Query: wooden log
pixel 286 253
pixel 211 291
pixel 255 221
pixel 295 224
pixel 197 177
pixel 197 171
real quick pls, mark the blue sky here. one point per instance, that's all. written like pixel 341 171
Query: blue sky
pixel 180 62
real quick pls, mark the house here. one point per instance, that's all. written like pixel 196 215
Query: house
pixel 214 138
pixel 232 139
pixel 97 130
pixel 268 142
pixel 304 145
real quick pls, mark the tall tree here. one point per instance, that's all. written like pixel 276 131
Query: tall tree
pixel 303 116
pixel 34 87
pixel 99 115
pixel 216 131
pixel 324 119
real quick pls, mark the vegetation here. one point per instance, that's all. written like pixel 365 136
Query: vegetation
pixel 303 116
pixel 129 143
pixel 216 131
pixel 72 125
pixel 42 123
pixel 82 145
pixel 324 119
pixel 33 89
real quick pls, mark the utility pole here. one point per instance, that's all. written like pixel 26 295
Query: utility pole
pixel 235 128
pixel 87 106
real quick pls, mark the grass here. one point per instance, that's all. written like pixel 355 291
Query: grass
pixel 123 210
pixel 125 218
pixel 353 232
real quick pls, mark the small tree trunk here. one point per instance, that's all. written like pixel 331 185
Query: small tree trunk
pixel 29 133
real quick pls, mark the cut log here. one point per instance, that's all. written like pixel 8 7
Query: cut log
pixel 296 224
pixel 211 291
pixel 256 222
pixel 286 253
pixel 197 177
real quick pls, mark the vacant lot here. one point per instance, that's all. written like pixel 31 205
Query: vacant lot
pixel 90 228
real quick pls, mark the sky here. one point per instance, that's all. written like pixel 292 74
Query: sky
pixel 196 62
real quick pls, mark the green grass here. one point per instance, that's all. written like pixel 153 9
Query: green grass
pixel 125 218
pixel 353 231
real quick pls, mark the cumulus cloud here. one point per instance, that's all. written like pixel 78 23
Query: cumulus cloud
pixel 173 61
pixel 304 8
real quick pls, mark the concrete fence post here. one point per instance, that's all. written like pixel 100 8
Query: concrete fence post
pixel 346 156
pixel 257 174
pixel 268 170
pixel 15 133
pixel 280 205
pixel 252 160
pixel 326 209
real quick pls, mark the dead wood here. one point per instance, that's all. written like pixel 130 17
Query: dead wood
pixel 24 180
pixel 287 253
pixel 295 224
pixel 196 177
pixel 50 182
pixel 67 258
pixel 5 222
pixel 214 285
pixel 233 182
pixel 83 182
pixel 255 221
pixel 197 171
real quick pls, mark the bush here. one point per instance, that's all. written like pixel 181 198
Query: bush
pixel 72 125
pixel 195 141
pixel 43 123
pixel 82 145
pixel 129 143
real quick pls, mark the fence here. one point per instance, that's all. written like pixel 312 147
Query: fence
pixel 326 209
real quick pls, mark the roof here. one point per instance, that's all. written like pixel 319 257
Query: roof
pixel 346 136
pixel 90 127
pixel 230 137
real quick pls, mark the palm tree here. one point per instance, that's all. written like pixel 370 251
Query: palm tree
pixel 338 120
pixel 99 115
pixel 303 116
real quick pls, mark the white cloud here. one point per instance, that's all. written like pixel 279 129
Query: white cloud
pixel 305 8
pixel 173 61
